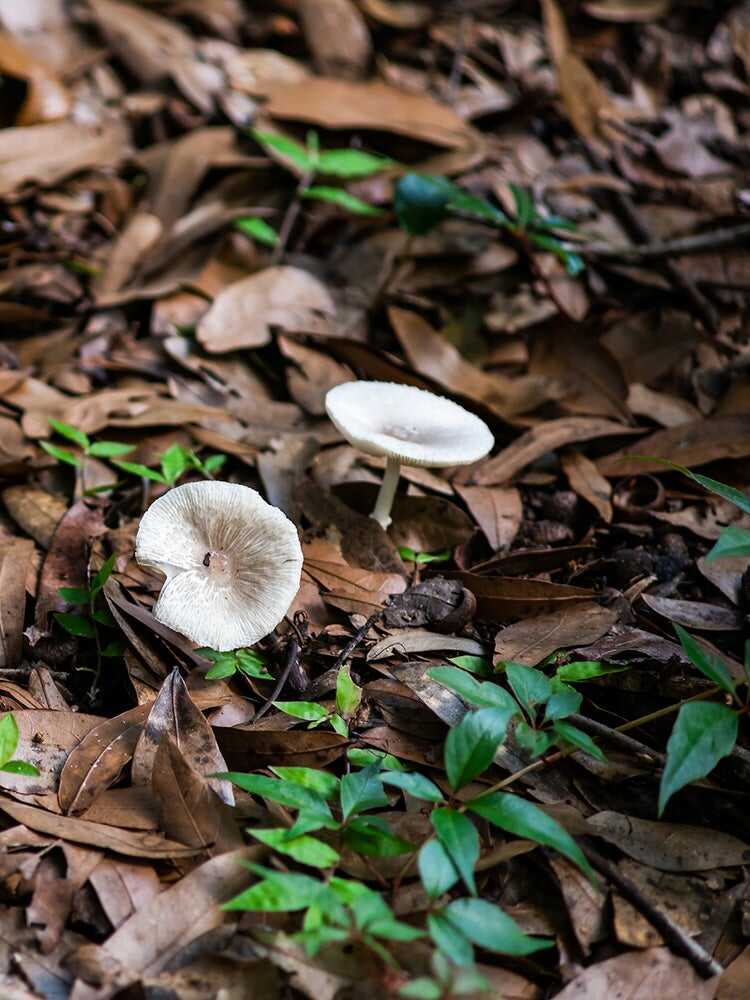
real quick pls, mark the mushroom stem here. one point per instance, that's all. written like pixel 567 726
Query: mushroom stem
pixel 382 510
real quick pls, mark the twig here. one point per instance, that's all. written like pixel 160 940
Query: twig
pixel 633 219
pixel 290 217
pixel 686 244
pixel 356 639
pixel 616 737
pixel 677 940
pixel 292 659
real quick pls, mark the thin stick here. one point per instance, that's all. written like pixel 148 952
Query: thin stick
pixel 686 244
pixel 677 940
pixel 617 738
pixel 292 658
pixel 290 217
pixel 356 639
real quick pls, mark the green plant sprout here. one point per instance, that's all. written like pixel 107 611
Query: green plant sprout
pixel 422 558
pixel 312 162
pixel 236 661
pixel 90 619
pixel 423 201
pixel 348 698
pixel 9 745
pixel 175 462
pixel 95 449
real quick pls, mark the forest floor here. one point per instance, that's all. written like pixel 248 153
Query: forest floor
pixel 499 749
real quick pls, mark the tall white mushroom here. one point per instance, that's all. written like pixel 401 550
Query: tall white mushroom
pixel 232 562
pixel 409 426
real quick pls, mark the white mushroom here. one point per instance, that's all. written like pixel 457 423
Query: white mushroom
pixel 232 562
pixel 409 426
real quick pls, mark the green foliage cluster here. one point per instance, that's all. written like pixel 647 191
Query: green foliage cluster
pixel 8 746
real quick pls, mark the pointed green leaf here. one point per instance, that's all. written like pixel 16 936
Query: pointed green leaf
pixel 474 664
pixel 20 767
pixel 75 624
pixel 352 163
pixel 459 837
pixel 142 471
pixel 450 940
pixel 361 790
pixel 110 449
pixel 563 701
pixel 340 197
pixel 287 793
pixel 436 870
pixel 321 782
pixel 70 432
pixel 222 669
pixel 483 695
pixel 61 454
pixel 348 695
pixel 306 850
pixel 703 734
pixel 731 542
pixel 103 575
pixel 286 147
pixel 74 595
pixel 531 687
pixel 8 737
pixel 259 231
pixel 372 837
pixel 708 662
pixel 471 745
pixel 415 784
pixel 310 711
pixel 571 734
pixel 486 925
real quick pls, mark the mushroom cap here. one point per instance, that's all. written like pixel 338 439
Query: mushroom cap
pixel 412 425
pixel 232 562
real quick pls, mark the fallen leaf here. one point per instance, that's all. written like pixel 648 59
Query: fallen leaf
pixel 247 749
pixel 692 444
pixel 338 104
pixel 312 376
pixel 544 438
pixel 46 98
pixel 246 312
pixel 695 614
pixel 669 411
pixel 428 524
pixel 588 482
pixel 655 971
pixel 337 35
pixel 174 714
pixel 669 847
pixel 122 887
pixel 532 640
pixel 45 738
pixel 419 641
pixel 502 599
pixel 15 560
pixel 498 511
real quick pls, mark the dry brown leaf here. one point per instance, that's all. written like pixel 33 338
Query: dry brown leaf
pixel 45 154
pixel 45 738
pixel 109 838
pixel 174 714
pixel 498 511
pixel 337 36
pixel 245 313
pixel 502 599
pixel 655 972
pixel 46 98
pixel 532 640
pixel 397 13
pixel 692 444
pixel 122 887
pixel 189 809
pixel 247 749
pixel 588 482
pixel 428 524
pixel 15 560
pixel 585 903
pixel 648 345
pixel 688 901
pixel 339 104
pixel 669 847
pixel 546 437
pixel 695 614
pixel 420 641
pixel 667 410
pixel 36 511
pixel 627 11
pixel 313 374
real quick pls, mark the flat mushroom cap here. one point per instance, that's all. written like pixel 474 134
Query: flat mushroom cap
pixel 411 425
pixel 232 562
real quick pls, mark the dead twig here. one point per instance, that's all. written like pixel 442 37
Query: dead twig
pixel 355 640
pixel 292 662
pixel 675 938
pixel 686 244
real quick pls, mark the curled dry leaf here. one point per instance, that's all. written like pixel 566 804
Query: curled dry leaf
pixel 46 98
pixel 245 313
pixel 653 972
pixel 337 35
pixel 588 482
pixel 175 715
pixel 497 511
pixel 532 640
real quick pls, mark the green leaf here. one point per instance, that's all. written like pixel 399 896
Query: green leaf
pixel 278 892
pixel 523 819
pixel 486 925
pixel 421 202
pixel 103 575
pixel 731 542
pixel 287 148
pixel 450 940
pixel 20 767
pixel 74 595
pixel 530 686
pixel 471 745
pixel 214 462
pixel 361 790
pixel 70 432
pixel 259 231
pixel 103 618
pixel 110 449
pixel 174 461
pixel 361 757
pixel 371 836
pixel 348 695
pixel 287 793
pixel 534 741
pixel 436 870
pixel 340 197
pixel 524 206
pixel 483 695
pixel 321 782
pixel 310 711
pixel 703 734
pixel 75 624
pixel 255 670
pixel 737 497
pixel 306 850
pixel 585 670
pixel 707 662
pixel 222 669
pixel 563 701
pixel 114 648
pixel 352 163
pixel 339 725
pixel 474 664
pixel 571 734
pixel 61 454
pixel 142 471
pixel 311 822
pixel 421 988
pixel 415 784
pixel 469 204
pixel 8 737
pixel 459 837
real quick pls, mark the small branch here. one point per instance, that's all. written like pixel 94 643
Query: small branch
pixel 292 659
pixel 686 244
pixel 675 938
pixel 616 738
pixel 290 217
pixel 356 639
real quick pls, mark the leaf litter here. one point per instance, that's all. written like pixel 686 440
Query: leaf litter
pixel 214 214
